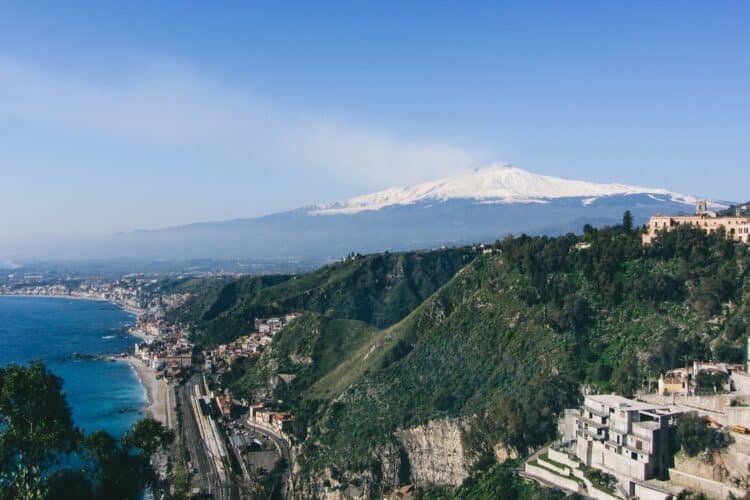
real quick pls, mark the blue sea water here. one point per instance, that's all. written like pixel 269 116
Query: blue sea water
pixel 102 394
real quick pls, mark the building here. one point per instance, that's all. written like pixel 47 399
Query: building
pixel 676 381
pixel 626 438
pixel 736 228
pixel 281 422
pixel 181 359
pixel 224 403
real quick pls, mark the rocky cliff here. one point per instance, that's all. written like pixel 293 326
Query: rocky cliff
pixel 435 453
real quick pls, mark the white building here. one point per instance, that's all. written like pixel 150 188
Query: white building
pixel 626 438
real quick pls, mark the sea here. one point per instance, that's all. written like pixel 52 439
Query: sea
pixel 103 395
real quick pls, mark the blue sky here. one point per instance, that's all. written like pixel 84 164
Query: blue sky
pixel 124 115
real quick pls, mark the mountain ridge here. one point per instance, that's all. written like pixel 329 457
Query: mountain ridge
pixel 482 206
pixel 496 183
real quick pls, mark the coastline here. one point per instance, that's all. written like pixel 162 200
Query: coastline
pixel 131 310
pixel 135 332
pixel 155 389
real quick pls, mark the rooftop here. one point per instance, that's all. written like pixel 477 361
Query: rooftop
pixel 621 403
pixel 649 425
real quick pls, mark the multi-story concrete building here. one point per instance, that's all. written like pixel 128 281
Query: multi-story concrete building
pixel 627 438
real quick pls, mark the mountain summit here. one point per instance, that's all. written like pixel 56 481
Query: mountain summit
pixel 497 183
pixel 480 206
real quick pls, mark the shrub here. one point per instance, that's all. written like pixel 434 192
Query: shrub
pixel 694 435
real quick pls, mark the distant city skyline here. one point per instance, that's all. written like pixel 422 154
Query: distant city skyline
pixel 140 115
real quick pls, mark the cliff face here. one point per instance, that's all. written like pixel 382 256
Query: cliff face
pixel 324 486
pixel 430 454
pixel 435 453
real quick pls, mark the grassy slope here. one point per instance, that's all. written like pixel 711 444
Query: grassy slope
pixel 311 347
pixel 454 355
pixel 377 289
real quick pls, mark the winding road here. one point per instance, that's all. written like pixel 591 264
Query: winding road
pixel 281 444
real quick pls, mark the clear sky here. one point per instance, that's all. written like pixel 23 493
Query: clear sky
pixel 124 115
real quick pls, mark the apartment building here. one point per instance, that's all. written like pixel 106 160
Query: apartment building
pixel 627 438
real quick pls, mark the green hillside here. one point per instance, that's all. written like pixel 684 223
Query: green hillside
pixel 378 289
pixel 508 340
pixel 503 345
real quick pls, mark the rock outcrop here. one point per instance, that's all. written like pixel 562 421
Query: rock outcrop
pixel 435 453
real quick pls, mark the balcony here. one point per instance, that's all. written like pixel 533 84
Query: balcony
pixel 645 449
pixel 644 432
pixel 595 411
pixel 596 433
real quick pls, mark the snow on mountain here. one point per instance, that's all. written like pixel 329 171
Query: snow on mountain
pixel 497 183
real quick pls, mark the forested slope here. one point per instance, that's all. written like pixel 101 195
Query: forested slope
pixel 503 346
pixel 378 289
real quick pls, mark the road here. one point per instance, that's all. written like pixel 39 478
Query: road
pixel 207 477
pixel 283 447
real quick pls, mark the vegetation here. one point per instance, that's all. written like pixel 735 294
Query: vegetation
pixel 695 434
pixel 601 480
pixel 503 344
pixel 378 289
pixel 711 382
pixel 499 482
pixel 43 455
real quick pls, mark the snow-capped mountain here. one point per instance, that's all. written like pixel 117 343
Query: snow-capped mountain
pixel 497 183
pixel 480 206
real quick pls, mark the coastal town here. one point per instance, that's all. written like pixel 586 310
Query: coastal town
pixel 234 441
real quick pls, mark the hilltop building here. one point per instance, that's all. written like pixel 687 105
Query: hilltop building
pixel 736 228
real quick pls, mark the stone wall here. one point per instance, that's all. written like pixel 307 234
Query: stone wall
pixel 741 383
pixel 643 492
pixel 710 488
pixel 716 403
pixel 738 415
pixel 550 477
pixel 562 458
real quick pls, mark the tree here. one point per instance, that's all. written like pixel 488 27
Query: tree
pixel 36 428
pixel 37 438
pixel 147 436
pixel 117 473
pixel 626 376
pixel 627 221
pixel 695 435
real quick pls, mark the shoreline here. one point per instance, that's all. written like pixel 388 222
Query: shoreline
pixel 154 389
pixel 131 310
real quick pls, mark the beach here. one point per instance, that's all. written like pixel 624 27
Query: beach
pixel 156 390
